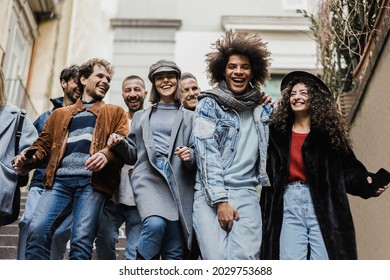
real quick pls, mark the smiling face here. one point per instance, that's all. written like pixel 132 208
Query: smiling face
pixel 300 100
pixel 190 91
pixel 166 85
pixel 238 73
pixel 134 93
pixel 97 84
pixel 71 91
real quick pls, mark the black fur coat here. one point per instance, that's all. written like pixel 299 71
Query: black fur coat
pixel 332 174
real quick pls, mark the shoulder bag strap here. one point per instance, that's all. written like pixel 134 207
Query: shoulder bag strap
pixel 19 131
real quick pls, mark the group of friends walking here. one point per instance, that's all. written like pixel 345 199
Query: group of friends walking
pixel 222 173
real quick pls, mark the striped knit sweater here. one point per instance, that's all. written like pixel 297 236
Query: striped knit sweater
pixel 78 145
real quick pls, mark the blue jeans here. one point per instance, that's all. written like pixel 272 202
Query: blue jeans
pixel 160 236
pixel 243 242
pixel 60 237
pixel 114 215
pixel 300 229
pixel 70 196
pixel 162 163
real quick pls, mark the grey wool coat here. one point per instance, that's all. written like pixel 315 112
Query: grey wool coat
pixel 9 120
pixel 152 193
pixel 8 127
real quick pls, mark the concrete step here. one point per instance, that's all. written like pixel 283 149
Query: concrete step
pixel 9 235
pixel 121 242
pixel 8 239
pixel 10 229
pixel 8 252
pixel 8 246
pixel 8 249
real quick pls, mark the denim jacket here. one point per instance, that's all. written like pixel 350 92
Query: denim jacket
pixel 216 134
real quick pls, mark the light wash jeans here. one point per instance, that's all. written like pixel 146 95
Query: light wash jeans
pixel 71 196
pixel 243 242
pixel 114 215
pixel 160 236
pixel 300 229
pixel 61 235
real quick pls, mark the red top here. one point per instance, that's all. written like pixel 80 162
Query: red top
pixel 297 168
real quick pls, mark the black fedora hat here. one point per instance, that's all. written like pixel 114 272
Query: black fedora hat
pixel 289 76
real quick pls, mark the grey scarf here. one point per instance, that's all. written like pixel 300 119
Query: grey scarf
pixel 239 102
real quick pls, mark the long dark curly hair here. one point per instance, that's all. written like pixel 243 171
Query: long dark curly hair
pixel 324 112
pixel 241 43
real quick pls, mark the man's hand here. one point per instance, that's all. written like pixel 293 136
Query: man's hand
pixel 96 162
pixel 226 215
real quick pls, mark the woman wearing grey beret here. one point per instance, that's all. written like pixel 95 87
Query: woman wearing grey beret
pixel 159 145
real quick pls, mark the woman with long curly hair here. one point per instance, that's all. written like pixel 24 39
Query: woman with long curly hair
pixel 311 167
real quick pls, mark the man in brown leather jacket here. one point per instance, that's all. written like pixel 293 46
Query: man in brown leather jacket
pixel 82 172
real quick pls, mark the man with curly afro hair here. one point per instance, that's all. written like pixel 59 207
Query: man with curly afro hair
pixel 231 138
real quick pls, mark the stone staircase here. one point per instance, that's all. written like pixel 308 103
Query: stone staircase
pixel 9 238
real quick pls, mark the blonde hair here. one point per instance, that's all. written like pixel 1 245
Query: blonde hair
pixel 3 98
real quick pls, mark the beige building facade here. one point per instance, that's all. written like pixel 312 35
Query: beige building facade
pixel 370 131
pixel 134 34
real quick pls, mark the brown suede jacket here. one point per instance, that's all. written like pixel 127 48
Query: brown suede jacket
pixel 52 141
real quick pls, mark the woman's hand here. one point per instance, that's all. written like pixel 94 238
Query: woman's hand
pixel 381 189
pixel 266 99
pixel 114 140
pixel 20 161
pixel 183 153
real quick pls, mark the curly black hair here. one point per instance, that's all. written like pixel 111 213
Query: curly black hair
pixel 242 43
pixel 324 112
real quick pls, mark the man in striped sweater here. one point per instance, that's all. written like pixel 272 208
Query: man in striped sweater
pixel 82 172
